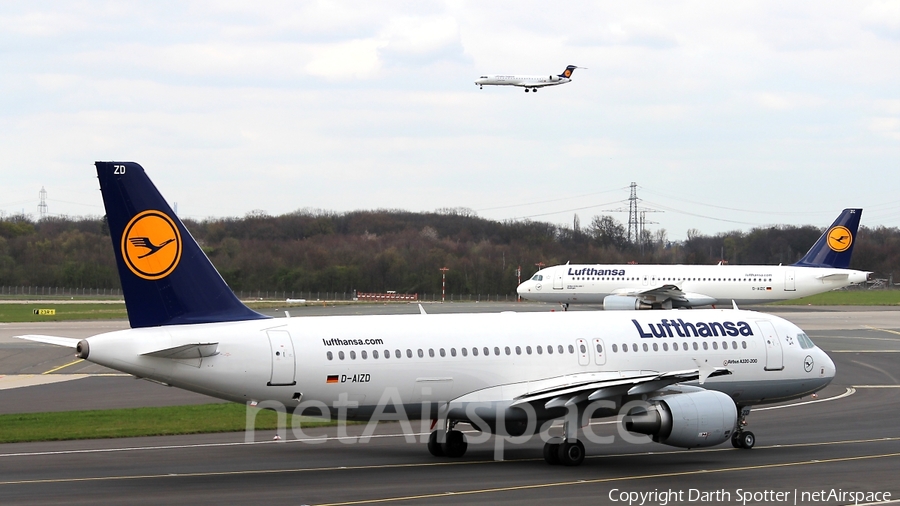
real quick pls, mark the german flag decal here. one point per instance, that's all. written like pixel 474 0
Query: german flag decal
pixel 332 378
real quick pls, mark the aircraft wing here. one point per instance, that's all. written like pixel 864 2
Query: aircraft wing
pixel 637 384
pixel 660 293
pixel 68 342
pixel 586 387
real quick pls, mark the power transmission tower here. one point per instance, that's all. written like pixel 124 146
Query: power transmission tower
pixel 42 207
pixel 636 219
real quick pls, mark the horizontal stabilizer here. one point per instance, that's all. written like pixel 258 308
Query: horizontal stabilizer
pixel 186 351
pixel 68 342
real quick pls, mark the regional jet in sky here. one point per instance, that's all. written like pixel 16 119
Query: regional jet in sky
pixel 531 83
pixel 823 268
pixel 686 379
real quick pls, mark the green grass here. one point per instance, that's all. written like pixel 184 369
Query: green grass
pixel 64 312
pixel 848 298
pixel 113 423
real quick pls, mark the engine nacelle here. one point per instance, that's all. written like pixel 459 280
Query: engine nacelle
pixel 623 303
pixel 688 420
pixel 554 79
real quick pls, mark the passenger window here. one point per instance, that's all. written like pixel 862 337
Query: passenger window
pixel 528 350
pixel 674 346
pixel 465 351
pixel 561 350
pixel 665 346
pixel 540 351
pixel 374 353
pixel 615 348
pixel 341 355
pixel 695 345
pixel 363 354
pixel 724 345
pixel 443 354
pixel 507 350
pixel 655 347
pixel 487 351
pixel 474 352
pixel 330 356
pixel 387 353
pixel 582 348
pixel 634 347
pixel 518 350
pixel 744 344
pixel 431 352
pixel 599 348
pixel 496 351
pixel 452 352
pixel 352 355
pixel 408 353
pixel 734 345
pixel 420 353
pixel 624 348
pixel 705 346
pixel 397 353
pixel 549 350
pixel 571 349
pixel 646 347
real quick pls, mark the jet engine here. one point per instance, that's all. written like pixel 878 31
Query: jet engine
pixel 623 302
pixel 689 420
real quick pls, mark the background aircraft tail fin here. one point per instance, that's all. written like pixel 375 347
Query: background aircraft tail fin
pixel 166 278
pixel 568 72
pixel 834 247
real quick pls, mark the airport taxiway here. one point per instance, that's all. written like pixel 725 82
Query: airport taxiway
pixel 846 440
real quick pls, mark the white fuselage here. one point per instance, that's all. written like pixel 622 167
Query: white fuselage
pixel 743 284
pixel 424 360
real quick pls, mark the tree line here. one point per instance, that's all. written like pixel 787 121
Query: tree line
pixel 381 250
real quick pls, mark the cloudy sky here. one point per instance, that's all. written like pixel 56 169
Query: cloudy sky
pixel 727 115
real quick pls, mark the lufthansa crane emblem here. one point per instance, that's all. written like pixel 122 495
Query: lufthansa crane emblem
pixel 151 245
pixel 839 238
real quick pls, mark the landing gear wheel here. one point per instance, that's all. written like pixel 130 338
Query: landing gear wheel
pixel 571 454
pixel 747 440
pixel 455 446
pixel 433 446
pixel 736 440
pixel 526 90
pixel 551 453
pixel 534 90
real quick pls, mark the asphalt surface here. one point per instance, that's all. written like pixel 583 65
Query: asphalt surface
pixel 845 441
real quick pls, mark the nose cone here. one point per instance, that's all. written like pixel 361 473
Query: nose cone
pixel 522 289
pixel 827 368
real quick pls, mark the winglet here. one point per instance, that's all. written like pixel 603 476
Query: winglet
pixel 704 369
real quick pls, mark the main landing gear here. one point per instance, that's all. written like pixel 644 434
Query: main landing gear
pixel 454 445
pixel 566 450
pixel 529 89
pixel 743 438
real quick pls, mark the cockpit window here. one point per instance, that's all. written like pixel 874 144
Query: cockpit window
pixel 537 277
pixel 805 342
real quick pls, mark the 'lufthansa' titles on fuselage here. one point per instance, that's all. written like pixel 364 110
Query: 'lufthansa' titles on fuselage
pixel 590 271
pixel 681 328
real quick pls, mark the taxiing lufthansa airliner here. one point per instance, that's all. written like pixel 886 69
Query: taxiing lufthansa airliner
pixel 823 268
pixel 686 379
pixel 530 83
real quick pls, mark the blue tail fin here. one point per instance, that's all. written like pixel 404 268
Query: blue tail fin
pixel 568 72
pixel 166 278
pixel 835 246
